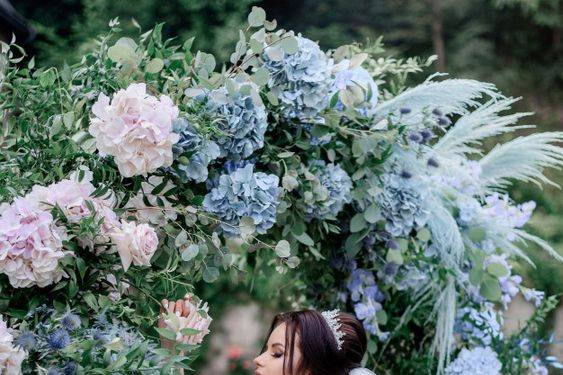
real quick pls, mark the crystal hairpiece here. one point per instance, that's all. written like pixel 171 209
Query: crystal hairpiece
pixel 331 318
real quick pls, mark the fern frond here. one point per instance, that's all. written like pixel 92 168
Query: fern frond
pixel 470 129
pixel 523 158
pixel 451 96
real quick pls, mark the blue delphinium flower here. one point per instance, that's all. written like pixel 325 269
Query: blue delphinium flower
pixel 244 193
pixel 402 203
pixel 70 321
pixel 479 360
pixel 302 80
pixel 367 300
pixel 26 340
pixel 198 152
pixel 331 190
pixel 242 121
pixel 58 339
pixel 479 326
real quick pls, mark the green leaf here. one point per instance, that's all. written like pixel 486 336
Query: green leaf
pixel 190 253
pixel 154 66
pixel 395 256
pixel 372 214
pixel 476 276
pixel 476 234
pixel 357 223
pixel 189 331
pixel 165 332
pixel 261 76
pixel 283 250
pixel 210 274
pixel 289 45
pixel 256 17
pixel 304 239
pixel 423 235
pixel 490 288
pixel 497 269
pixel 381 316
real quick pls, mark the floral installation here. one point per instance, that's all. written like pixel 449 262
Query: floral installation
pixel 143 173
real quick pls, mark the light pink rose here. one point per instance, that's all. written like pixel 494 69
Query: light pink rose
pixel 135 243
pixel 136 129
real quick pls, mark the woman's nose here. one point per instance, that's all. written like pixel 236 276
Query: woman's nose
pixel 258 361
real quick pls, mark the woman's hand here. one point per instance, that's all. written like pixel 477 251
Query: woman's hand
pixel 180 307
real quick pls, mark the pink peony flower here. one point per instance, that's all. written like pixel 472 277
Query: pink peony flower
pixel 136 129
pixel 11 358
pixel 30 245
pixel 197 319
pixel 135 243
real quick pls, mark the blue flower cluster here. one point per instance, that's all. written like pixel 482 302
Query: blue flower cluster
pixel 331 190
pixel 244 193
pixel 367 300
pixel 301 81
pixel 402 203
pixel 242 121
pixel 479 326
pixel 197 151
pixel 479 360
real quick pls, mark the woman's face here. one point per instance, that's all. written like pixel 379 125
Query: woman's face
pixel 271 361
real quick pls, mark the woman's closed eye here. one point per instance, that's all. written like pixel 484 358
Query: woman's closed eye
pixel 277 355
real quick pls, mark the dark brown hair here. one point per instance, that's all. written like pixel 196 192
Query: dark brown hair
pixel 319 350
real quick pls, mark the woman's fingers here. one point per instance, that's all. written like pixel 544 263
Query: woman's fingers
pixel 171 306
pixel 179 308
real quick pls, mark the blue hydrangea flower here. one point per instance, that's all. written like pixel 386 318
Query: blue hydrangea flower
pixel 200 152
pixel 479 326
pixel 244 193
pixel 479 360
pixel 242 121
pixel 402 203
pixel 58 339
pixel 302 80
pixel 331 191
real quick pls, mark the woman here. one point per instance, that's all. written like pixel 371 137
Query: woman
pixel 312 343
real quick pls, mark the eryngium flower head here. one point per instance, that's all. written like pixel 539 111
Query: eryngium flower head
pixel 331 190
pixel 58 339
pixel 200 152
pixel 242 120
pixel 402 203
pixel 244 193
pixel 302 80
pixel 70 321
pixel 475 361
pixel 26 340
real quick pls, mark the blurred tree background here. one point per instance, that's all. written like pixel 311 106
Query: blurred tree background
pixel 516 44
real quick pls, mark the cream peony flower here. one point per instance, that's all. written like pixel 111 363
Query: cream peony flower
pixel 136 129
pixel 135 243
pixel 11 358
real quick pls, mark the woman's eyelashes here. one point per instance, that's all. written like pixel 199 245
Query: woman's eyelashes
pixel 277 355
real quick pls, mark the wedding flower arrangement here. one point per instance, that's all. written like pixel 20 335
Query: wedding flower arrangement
pixel 143 170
